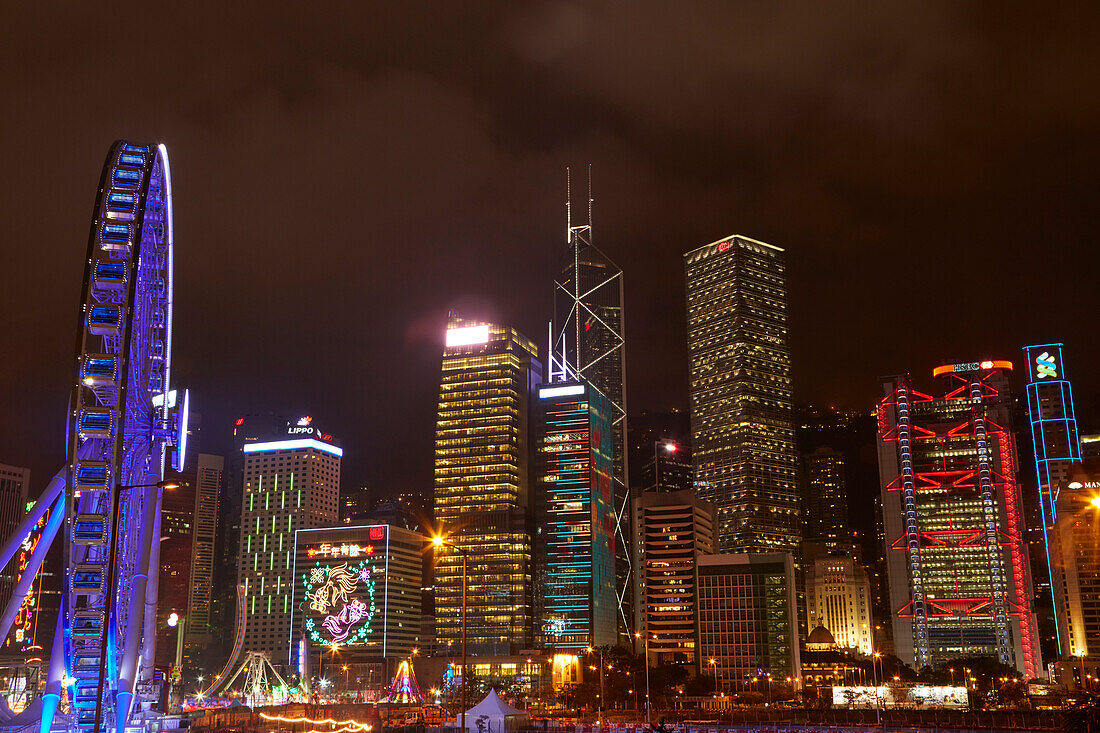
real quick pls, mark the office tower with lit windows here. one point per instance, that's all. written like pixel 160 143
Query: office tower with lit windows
pixel 14 483
pixel 177 534
pixel 960 582
pixel 248 428
pixel 825 501
pixel 747 621
pixel 742 434
pixel 576 605
pixel 355 504
pixel 1057 455
pixel 483 487
pixel 209 482
pixel 838 597
pixel 589 344
pixel 291 482
pixel 1075 562
pixel 356 594
pixel 675 527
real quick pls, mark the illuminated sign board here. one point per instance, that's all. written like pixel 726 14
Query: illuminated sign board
pixel 971 366
pixel 468 335
pixel 909 696
pixel 562 391
pixel 293 445
pixel 1046 365
pixel 339 594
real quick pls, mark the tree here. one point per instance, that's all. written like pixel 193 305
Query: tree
pixel 699 686
pixel 1084 715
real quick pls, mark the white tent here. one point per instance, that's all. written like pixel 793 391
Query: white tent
pixel 493 715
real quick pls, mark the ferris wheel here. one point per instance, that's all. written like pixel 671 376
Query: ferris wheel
pixel 124 429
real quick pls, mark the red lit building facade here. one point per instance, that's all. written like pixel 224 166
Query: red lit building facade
pixel 960 583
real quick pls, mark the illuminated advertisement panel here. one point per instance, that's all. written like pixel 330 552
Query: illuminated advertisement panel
pixel 914 696
pixel 356 588
pixel 339 592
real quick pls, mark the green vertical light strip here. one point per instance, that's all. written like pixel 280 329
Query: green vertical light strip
pixel 273 524
pixel 257 530
pixel 269 604
pixel 261 585
pixel 271 561
pixel 248 544
pixel 282 500
pixel 251 500
pixel 255 562
pixel 267 502
pixel 264 548
pixel 286 604
pixel 288 561
pixel 280 542
pixel 253 610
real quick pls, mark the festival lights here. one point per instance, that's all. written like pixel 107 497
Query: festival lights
pixel 344 596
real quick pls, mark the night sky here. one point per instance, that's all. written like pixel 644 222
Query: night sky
pixel 343 177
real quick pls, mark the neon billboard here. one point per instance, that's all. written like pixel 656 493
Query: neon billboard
pixel 339 604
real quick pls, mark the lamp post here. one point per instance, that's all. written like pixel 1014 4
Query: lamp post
pixel 600 719
pixel 109 589
pixel 878 702
pixel 647 709
pixel 438 541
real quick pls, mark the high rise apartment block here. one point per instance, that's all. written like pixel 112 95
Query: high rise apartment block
pixel 960 583
pixel 742 433
pixel 483 487
pixel 290 483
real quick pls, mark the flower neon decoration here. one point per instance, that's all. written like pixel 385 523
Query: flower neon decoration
pixel 344 596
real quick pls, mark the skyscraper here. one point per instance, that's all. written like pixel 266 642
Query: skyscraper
pixel 14 484
pixel 825 505
pixel 576 604
pixel 675 527
pixel 1057 453
pixel 290 483
pixel 1075 561
pixel 483 487
pixel 957 562
pixel 589 340
pixel 742 435
pixel 838 597
pixel 747 618
pixel 209 480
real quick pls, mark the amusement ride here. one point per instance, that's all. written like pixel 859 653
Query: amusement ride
pixel 125 427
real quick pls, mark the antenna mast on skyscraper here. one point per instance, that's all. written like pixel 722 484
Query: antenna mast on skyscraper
pixel 590 203
pixel 568 209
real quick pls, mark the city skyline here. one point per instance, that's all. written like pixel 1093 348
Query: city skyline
pixel 850 167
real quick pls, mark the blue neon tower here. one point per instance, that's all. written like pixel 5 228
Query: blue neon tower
pixel 575 517
pixel 1054 435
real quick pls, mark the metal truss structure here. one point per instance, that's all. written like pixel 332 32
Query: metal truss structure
pixel 588 343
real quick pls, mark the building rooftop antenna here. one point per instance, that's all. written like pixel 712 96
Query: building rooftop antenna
pixel 568 209
pixel 590 202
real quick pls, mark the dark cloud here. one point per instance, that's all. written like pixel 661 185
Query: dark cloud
pixel 345 176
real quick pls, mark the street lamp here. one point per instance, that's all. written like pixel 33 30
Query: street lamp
pixel 438 541
pixel 590 650
pixel 647 712
pixel 110 587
